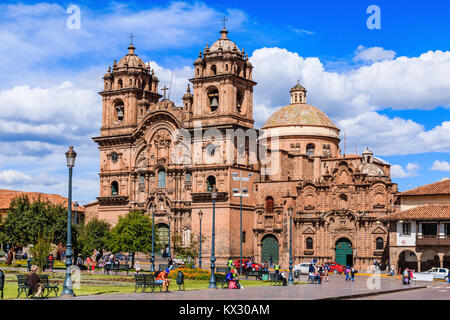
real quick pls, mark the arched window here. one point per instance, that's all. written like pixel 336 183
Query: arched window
pixel 213 70
pixel 188 176
pixel 161 178
pixel 309 243
pixel 210 182
pixel 310 150
pixel 144 84
pixel 142 179
pixel 114 189
pixel 120 84
pixel 379 244
pixel 269 204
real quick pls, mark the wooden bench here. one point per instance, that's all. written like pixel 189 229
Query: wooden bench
pixel 220 280
pixel 145 280
pixel 222 270
pixel 47 287
pixel 257 274
pixel 275 280
pixel 121 267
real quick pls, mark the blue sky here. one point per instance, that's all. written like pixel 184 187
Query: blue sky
pixel 388 88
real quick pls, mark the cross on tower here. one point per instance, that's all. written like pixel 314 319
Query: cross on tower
pixel 224 21
pixel 165 89
pixel 131 37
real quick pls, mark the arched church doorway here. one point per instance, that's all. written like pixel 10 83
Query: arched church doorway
pixel 162 237
pixel 344 252
pixel 407 259
pixel 270 248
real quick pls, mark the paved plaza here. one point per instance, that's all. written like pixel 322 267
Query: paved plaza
pixel 336 288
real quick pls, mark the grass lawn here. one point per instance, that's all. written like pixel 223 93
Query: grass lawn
pixel 109 284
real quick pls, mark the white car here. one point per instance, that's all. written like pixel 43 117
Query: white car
pixel 438 273
pixel 303 268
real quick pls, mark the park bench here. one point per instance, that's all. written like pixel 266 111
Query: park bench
pixel 222 270
pixel 47 287
pixel 2 282
pixel 257 274
pixel 275 280
pixel 145 280
pixel 220 280
pixel 121 267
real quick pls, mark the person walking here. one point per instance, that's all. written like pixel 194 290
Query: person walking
pixel 448 277
pixel 326 268
pixel 89 263
pixel 392 271
pixel 352 274
pixel 93 266
pixel 270 262
pixel 137 267
pixel 248 268
pixel 50 262
pixel 347 273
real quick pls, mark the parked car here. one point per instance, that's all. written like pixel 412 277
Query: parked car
pixel 336 267
pixel 438 273
pixel 303 267
pixel 255 266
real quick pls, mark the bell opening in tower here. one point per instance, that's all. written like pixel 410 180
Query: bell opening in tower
pixel 213 99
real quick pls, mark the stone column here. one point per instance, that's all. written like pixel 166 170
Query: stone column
pixel 441 259
pixel 418 255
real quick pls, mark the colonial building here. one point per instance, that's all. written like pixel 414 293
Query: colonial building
pixel 152 151
pixel 419 233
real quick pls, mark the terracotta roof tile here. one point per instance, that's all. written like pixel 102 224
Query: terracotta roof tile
pixel 6 196
pixel 425 212
pixel 440 187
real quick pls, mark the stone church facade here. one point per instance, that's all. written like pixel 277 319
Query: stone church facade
pixel 152 151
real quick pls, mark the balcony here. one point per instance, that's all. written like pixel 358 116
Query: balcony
pixel 433 240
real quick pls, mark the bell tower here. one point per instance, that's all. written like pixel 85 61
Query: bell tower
pixel 223 85
pixel 129 88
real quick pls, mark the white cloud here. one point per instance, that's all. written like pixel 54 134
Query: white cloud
pixel 373 54
pixel 18 178
pixel 440 166
pixel 353 98
pixel 398 172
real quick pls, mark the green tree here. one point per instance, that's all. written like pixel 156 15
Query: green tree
pixel 185 251
pixel 132 234
pixel 27 221
pixel 40 251
pixel 94 235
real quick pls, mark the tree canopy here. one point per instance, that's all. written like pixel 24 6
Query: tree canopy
pixel 26 221
pixel 131 234
pixel 94 235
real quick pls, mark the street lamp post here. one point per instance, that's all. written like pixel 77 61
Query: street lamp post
pixel 212 280
pixel 290 278
pixel 152 259
pixel 241 193
pixel 75 209
pixel 200 214
pixel 68 287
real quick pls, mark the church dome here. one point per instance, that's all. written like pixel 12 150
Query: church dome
pixel 300 119
pixel 224 44
pixel 298 114
pixel 131 60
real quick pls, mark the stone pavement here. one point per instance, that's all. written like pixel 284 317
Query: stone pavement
pixel 334 289
pixel 431 292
